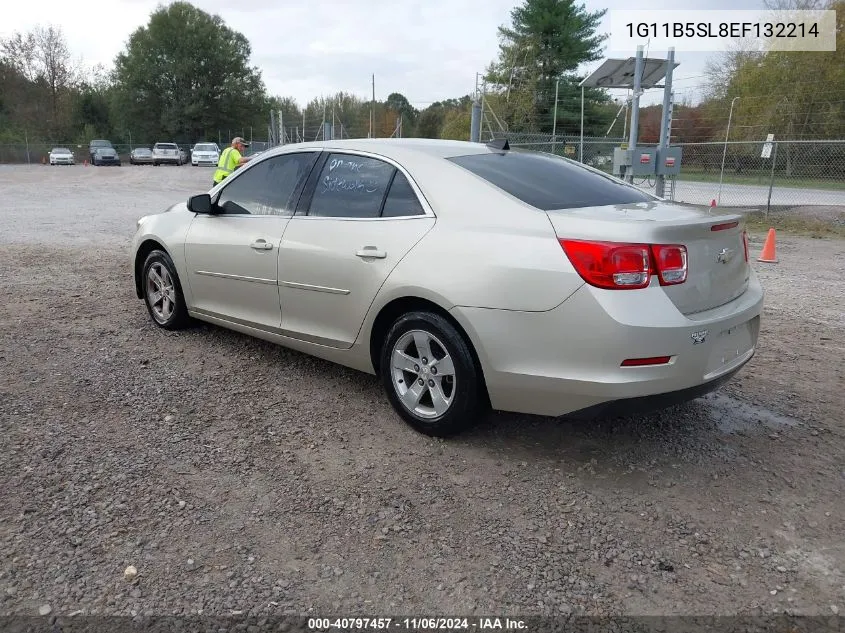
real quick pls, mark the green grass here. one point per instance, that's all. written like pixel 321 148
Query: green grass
pixel 757 222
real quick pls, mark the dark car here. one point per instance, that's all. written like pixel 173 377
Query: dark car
pixel 94 145
pixel 106 156
pixel 141 156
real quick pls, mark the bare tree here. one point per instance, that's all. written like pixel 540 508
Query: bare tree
pixel 18 52
pixel 55 64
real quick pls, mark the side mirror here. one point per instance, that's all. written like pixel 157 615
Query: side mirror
pixel 201 203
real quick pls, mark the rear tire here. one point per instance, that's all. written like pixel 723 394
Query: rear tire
pixel 163 293
pixel 424 346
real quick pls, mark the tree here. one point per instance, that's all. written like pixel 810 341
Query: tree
pixel 547 40
pixel 38 71
pixel 55 67
pixel 186 75
pixel 399 104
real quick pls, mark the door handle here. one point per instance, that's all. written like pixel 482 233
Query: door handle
pixel 371 251
pixel 261 245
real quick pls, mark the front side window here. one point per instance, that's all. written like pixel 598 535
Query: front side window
pixel 270 187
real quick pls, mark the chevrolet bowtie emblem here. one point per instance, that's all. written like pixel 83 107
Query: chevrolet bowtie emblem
pixel 725 255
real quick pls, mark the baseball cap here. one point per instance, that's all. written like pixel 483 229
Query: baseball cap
pixel 240 140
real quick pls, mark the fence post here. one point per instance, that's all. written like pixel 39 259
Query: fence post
pixel 772 178
pixel 26 140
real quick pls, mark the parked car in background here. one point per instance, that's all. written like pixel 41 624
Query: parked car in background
pixel 61 156
pixel 166 153
pixel 205 154
pixel 466 276
pixel 141 156
pixel 95 144
pixel 105 156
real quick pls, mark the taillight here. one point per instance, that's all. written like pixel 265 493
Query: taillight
pixel 623 266
pixel 745 244
pixel 671 263
pixel 610 265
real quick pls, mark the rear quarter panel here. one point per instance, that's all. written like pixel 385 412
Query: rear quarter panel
pixel 486 250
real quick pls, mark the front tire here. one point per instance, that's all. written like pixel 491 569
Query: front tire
pixel 163 293
pixel 430 375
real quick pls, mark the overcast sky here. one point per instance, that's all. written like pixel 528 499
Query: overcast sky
pixel 427 50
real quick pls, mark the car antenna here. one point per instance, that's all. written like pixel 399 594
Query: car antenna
pixel 499 143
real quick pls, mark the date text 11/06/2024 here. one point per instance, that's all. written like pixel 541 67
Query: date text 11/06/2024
pixel 723 30
pixel 417 624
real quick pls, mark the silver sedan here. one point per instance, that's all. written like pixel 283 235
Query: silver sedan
pixel 466 276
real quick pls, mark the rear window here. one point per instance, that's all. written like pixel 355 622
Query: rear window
pixel 166 145
pixel 205 148
pixel 549 182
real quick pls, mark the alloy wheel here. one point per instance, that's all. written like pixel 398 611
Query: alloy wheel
pixel 423 374
pixel 161 293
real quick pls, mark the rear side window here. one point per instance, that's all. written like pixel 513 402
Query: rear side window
pixel 549 182
pixel 401 200
pixel 351 186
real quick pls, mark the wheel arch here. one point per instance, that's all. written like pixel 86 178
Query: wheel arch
pixel 393 309
pixel 146 247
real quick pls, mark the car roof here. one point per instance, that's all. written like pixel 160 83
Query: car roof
pixel 395 148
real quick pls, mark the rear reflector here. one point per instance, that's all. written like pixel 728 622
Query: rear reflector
pixel 725 226
pixel 643 362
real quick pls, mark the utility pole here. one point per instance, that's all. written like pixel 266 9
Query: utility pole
pixel 635 108
pixel 666 122
pixel 373 109
pixel 554 117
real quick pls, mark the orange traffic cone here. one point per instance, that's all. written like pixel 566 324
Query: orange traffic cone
pixel 769 254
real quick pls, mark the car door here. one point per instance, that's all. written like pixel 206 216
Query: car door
pixel 232 255
pixel 359 216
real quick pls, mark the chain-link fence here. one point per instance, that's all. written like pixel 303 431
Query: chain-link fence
pixel 756 175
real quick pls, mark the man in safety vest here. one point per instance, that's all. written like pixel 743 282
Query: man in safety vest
pixel 231 158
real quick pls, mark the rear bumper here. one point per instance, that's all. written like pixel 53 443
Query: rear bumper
pixel 646 404
pixel 568 359
pixel 167 159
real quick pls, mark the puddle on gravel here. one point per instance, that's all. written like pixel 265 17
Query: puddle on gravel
pixel 735 416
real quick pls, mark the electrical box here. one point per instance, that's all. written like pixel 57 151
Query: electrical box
pixel 639 161
pixel 668 161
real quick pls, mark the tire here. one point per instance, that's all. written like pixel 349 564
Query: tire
pixel 461 392
pixel 176 317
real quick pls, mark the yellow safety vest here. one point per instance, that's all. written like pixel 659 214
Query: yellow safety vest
pixel 229 159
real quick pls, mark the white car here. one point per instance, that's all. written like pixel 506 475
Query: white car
pixel 166 153
pixel 464 275
pixel 205 154
pixel 61 156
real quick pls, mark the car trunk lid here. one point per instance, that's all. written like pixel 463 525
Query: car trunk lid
pixel 717 267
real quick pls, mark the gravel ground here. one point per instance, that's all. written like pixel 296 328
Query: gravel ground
pixel 238 476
